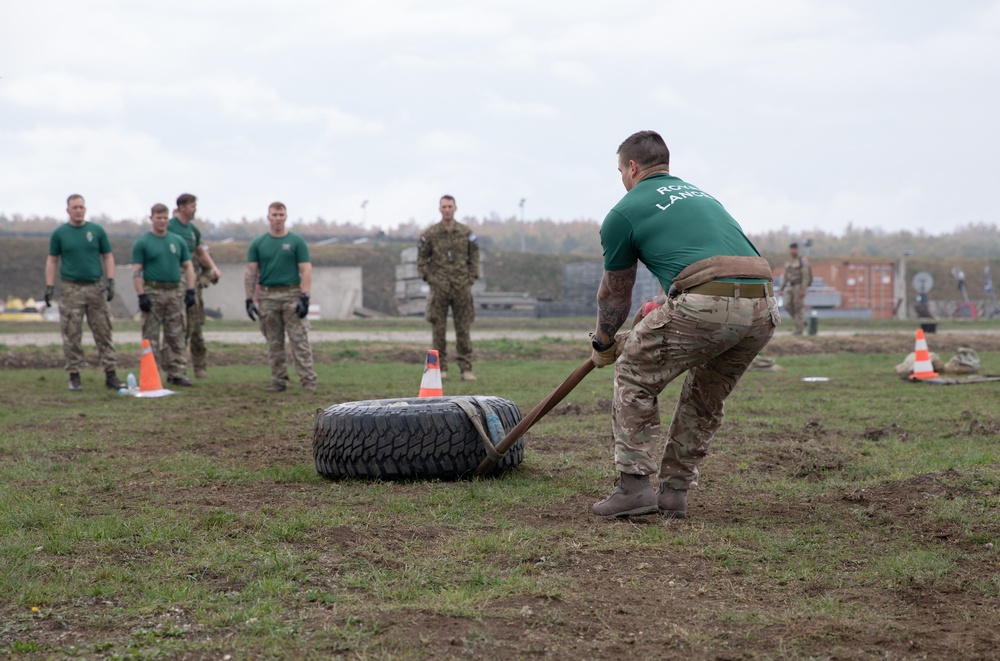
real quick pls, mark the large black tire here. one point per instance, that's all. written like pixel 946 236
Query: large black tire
pixel 394 439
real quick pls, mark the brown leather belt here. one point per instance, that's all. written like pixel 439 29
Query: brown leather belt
pixel 153 284
pixel 734 289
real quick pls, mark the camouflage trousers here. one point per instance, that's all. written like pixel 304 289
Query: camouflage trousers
pixel 794 305
pixel 195 337
pixel 168 314
pixel 714 339
pixel 278 318
pixel 78 300
pixel 463 311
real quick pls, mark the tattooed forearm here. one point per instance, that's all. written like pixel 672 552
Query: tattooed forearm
pixel 614 300
pixel 250 279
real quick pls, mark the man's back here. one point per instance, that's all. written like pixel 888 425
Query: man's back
pixel 669 224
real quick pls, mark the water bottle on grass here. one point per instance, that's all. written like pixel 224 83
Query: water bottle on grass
pixel 131 388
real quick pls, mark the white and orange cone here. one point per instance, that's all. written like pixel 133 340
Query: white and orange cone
pixel 430 384
pixel 923 368
pixel 150 384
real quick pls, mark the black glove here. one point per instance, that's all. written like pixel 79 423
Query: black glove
pixel 111 289
pixel 252 310
pixel 189 297
pixel 144 303
pixel 302 307
pixel 49 293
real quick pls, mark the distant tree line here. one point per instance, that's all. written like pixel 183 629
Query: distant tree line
pixel 975 240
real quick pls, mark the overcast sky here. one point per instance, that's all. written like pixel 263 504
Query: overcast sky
pixel 793 113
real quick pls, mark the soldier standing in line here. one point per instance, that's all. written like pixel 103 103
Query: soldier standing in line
pixel 206 273
pixel 279 263
pixel 448 261
pixel 159 259
pixel 81 252
pixel 796 280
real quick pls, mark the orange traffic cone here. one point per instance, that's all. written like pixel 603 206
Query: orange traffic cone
pixel 149 376
pixel 922 366
pixel 430 384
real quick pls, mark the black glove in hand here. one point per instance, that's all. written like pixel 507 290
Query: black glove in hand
pixel 111 289
pixel 252 310
pixel 189 298
pixel 144 303
pixel 50 291
pixel 302 307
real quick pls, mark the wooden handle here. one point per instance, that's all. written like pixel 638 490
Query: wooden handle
pixel 536 414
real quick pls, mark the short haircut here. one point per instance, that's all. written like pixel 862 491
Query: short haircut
pixel 186 198
pixel 446 197
pixel 276 205
pixel 646 148
pixel 72 197
pixel 158 208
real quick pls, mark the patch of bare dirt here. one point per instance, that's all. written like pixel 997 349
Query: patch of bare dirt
pixel 49 357
pixel 893 343
pixel 599 405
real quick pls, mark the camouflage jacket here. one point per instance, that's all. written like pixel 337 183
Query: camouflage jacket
pixel 448 257
pixel 797 272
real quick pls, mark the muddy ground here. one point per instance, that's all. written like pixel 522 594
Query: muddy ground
pixel 255 353
pixel 675 603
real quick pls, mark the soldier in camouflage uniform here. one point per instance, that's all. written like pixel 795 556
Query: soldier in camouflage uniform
pixel 795 281
pixel 206 274
pixel 712 330
pixel 448 261
pixel 80 253
pixel 159 260
pixel 278 265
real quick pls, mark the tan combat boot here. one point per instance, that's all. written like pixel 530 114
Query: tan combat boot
pixel 672 503
pixel 467 375
pixel 633 496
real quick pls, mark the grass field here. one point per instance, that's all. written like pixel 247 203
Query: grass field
pixel 856 518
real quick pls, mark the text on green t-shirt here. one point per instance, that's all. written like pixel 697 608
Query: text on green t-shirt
pixel 668 224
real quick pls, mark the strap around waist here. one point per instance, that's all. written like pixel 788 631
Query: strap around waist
pixel 161 285
pixel 732 289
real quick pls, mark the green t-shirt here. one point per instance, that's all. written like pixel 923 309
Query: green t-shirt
pixel 190 233
pixel 279 259
pixel 80 249
pixel 160 256
pixel 668 224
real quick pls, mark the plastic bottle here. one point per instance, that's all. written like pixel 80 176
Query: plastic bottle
pixel 132 385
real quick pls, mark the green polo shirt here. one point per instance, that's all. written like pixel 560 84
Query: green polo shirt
pixel 278 258
pixel 668 224
pixel 160 256
pixel 80 249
